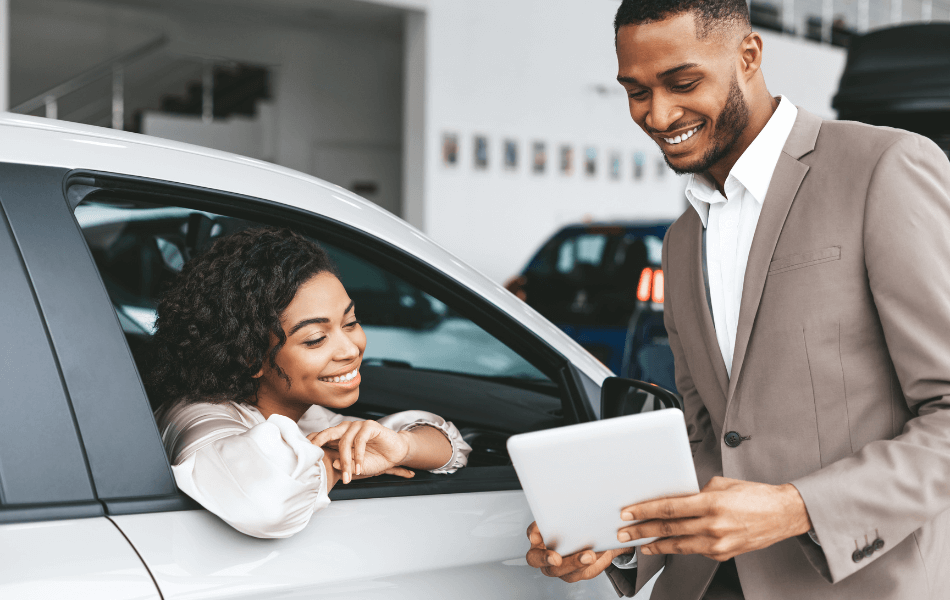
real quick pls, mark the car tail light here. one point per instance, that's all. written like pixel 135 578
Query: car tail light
pixel 658 286
pixel 646 282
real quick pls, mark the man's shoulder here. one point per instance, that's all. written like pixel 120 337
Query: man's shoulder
pixel 852 140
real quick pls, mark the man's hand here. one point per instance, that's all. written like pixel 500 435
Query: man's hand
pixel 576 567
pixel 727 518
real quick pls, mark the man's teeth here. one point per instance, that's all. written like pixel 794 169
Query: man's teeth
pixel 682 137
pixel 342 378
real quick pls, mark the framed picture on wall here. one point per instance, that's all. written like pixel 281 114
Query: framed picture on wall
pixel 639 159
pixel 567 160
pixel 511 155
pixel 539 158
pixel 480 152
pixel 590 161
pixel 615 165
pixel 450 149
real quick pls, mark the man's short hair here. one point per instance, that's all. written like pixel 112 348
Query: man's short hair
pixel 711 15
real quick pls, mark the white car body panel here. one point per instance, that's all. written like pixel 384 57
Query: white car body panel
pixel 81 558
pixel 460 546
pixel 38 141
pixel 463 546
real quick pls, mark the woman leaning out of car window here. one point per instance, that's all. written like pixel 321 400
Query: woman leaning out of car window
pixel 257 344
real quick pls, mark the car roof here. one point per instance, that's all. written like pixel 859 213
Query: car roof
pixel 47 142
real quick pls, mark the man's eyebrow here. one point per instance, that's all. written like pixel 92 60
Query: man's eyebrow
pixel 666 73
pixel 316 320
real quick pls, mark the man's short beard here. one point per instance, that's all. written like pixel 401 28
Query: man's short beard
pixel 731 122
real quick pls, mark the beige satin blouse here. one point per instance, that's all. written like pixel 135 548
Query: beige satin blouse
pixel 263 476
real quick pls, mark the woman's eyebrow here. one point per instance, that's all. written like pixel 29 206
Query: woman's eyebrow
pixel 315 320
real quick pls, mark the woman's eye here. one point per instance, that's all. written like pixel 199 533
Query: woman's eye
pixel 315 342
pixel 352 323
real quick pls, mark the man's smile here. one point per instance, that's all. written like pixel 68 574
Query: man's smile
pixel 678 139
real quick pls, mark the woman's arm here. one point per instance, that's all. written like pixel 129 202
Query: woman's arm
pixel 428 448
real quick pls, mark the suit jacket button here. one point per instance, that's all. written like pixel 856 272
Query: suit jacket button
pixel 733 439
pixel 857 556
pixel 878 544
pixel 868 550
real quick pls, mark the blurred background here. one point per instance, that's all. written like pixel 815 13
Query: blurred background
pixel 494 126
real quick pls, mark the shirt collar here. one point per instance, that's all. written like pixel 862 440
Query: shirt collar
pixel 753 171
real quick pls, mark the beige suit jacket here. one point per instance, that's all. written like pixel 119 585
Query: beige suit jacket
pixel 841 372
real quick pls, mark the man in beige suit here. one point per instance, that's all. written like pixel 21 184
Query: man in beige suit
pixel 808 310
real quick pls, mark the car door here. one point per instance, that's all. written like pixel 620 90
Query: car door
pixel 55 540
pixel 440 348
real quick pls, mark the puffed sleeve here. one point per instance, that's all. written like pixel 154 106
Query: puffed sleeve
pixel 410 419
pixel 266 480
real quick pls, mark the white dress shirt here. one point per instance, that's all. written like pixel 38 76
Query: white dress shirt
pixel 263 476
pixel 730 223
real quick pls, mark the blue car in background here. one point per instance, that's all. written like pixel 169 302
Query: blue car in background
pixel 603 285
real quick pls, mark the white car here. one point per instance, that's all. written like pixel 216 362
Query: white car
pixel 93 222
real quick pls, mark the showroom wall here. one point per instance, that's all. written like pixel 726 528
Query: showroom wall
pixel 545 71
pixel 337 82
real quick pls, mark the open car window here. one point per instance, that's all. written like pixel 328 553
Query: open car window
pixel 422 352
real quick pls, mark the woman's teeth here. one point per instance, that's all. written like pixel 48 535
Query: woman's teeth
pixel 341 378
pixel 683 137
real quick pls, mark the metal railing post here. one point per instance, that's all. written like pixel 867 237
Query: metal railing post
pixel 51 106
pixel 118 97
pixel 207 92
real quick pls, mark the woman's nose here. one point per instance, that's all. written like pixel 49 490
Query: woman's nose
pixel 347 349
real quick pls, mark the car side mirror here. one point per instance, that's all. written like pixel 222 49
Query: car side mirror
pixel 619 397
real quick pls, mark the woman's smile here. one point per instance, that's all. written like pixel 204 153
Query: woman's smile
pixel 348 381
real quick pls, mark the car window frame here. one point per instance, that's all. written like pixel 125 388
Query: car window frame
pixel 577 404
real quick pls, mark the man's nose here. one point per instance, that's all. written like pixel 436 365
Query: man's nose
pixel 663 113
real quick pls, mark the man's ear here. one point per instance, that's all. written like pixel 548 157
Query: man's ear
pixel 750 55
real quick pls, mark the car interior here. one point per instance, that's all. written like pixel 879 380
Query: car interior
pixel 421 353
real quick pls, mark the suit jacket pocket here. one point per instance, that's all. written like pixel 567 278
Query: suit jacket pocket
pixel 805 259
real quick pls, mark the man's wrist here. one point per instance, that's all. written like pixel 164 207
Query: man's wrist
pixel 799 523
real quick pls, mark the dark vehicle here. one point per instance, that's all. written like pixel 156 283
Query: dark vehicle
pixel 602 284
pixel 900 77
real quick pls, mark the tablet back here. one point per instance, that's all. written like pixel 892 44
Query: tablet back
pixel 577 478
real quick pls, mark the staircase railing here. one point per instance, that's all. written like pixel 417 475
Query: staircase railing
pixel 114 68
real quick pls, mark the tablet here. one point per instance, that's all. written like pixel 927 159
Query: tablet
pixel 577 478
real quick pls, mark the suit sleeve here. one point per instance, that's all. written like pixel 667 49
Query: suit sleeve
pixel 890 488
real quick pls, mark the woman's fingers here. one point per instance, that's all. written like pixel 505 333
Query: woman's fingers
pixel 346 452
pixel 366 433
pixel 399 472
pixel 321 438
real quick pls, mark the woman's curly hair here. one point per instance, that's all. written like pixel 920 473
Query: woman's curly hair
pixel 216 321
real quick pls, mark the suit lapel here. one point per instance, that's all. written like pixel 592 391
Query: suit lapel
pixel 786 180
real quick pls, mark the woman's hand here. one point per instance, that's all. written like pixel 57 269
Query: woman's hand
pixel 365 448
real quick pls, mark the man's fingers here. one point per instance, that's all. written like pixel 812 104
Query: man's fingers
pixel 534 536
pixel 668 508
pixel 539 558
pixel 593 570
pixel 678 545
pixel 569 564
pixel 660 528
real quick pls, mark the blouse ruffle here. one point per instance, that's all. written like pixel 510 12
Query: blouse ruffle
pixel 264 477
